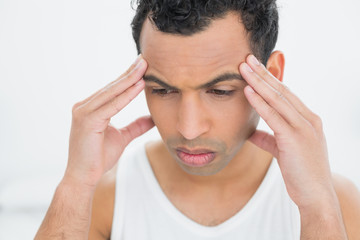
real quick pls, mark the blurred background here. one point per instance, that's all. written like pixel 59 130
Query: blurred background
pixel 56 53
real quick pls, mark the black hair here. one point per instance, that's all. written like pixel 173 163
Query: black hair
pixel 187 17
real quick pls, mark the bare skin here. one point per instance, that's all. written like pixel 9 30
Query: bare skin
pixel 95 147
pixel 298 143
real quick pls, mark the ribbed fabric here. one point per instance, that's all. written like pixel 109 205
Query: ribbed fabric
pixel 143 212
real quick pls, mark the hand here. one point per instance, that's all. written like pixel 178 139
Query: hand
pixel 298 142
pixel 95 145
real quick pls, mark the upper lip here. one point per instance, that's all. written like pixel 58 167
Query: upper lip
pixel 194 151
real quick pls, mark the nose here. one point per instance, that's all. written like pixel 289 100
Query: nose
pixel 192 119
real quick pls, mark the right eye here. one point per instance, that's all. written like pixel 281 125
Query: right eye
pixel 163 91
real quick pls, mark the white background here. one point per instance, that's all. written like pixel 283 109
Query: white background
pixel 56 53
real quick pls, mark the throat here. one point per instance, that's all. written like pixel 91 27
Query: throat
pixel 211 203
pixel 210 208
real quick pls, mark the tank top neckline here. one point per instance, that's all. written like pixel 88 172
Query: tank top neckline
pixel 206 231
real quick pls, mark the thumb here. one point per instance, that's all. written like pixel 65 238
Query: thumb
pixel 265 141
pixel 136 128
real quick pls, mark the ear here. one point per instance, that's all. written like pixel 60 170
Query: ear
pixel 276 65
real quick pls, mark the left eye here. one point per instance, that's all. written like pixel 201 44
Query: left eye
pixel 220 92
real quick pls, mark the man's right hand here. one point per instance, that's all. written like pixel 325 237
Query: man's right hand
pixel 95 146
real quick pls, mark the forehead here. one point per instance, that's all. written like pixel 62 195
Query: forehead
pixel 221 47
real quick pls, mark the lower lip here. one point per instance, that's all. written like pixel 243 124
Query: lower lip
pixel 196 160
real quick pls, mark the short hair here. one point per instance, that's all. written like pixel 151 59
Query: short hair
pixel 187 17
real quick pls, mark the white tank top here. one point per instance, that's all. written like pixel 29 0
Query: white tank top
pixel 142 211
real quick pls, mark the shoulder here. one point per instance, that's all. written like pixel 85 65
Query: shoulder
pixel 349 198
pixel 103 206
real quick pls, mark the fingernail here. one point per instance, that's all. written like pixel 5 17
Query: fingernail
pixel 139 63
pixel 251 90
pixel 254 60
pixel 248 68
pixel 137 59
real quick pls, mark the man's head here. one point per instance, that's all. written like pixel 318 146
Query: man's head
pixel 193 87
pixel 188 17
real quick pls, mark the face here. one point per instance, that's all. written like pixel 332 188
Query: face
pixel 195 93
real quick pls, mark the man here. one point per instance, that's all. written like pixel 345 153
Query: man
pixel 213 175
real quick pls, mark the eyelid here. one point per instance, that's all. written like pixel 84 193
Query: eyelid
pixel 163 88
pixel 220 90
pixel 160 87
pixel 225 88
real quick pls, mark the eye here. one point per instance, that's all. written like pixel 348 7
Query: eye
pixel 219 92
pixel 163 91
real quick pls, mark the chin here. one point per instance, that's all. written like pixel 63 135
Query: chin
pixel 201 172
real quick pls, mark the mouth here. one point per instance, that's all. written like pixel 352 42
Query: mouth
pixel 196 157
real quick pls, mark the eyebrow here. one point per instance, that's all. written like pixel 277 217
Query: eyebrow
pixel 223 77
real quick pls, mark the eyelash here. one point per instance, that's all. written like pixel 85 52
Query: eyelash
pixel 162 91
pixel 217 92
pixel 220 92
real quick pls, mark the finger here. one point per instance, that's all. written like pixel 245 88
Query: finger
pixel 271 96
pixel 111 83
pixel 116 88
pixel 108 110
pixel 261 70
pixel 130 68
pixel 265 141
pixel 136 128
pixel 268 113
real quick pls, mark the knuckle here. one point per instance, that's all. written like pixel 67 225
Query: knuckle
pixel 77 118
pixel 282 89
pixel 273 113
pixel 76 108
pixel 78 112
pixel 275 97
pixel 129 95
pixel 114 105
pixel 316 121
pixel 279 96
pixel 263 72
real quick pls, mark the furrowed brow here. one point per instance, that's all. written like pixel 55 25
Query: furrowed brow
pixel 221 78
pixel 152 78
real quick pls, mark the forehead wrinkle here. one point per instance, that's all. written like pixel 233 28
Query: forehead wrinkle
pixel 180 59
pixel 179 76
pixel 197 66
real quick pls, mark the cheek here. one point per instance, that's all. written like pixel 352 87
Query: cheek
pixel 243 112
pixel 236 118
pixel 237 109
pixel 161 113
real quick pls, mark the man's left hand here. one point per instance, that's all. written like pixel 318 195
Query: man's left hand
pixel 298 142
